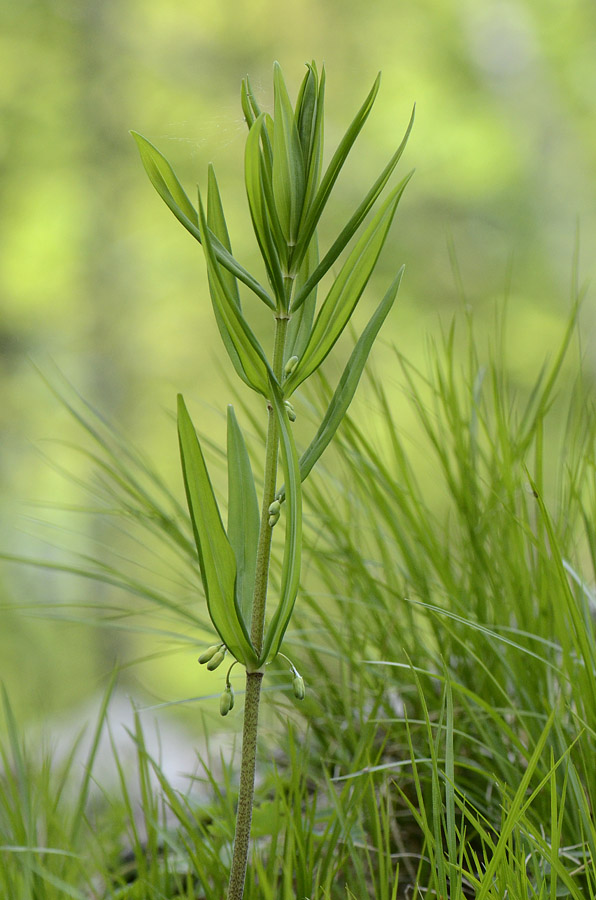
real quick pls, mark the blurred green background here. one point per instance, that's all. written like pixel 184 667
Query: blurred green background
pixel 98 279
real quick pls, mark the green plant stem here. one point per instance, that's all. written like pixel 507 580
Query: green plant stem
pixel 254 679
pixel 247 785
pixel 270 476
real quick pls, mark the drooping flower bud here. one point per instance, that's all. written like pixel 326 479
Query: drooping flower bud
pixel 298 686
pixel 209 653
pixel 274 511
pixel 226 701
pixel 290 365
pixel 290 411
pixel 216 660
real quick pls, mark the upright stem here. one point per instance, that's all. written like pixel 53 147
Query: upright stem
pixel 247 785
pixel 270 476
pixel 254 679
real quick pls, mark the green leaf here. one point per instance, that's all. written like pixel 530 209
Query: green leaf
pixel 250 107
pixel 345 293
pixel 243 516
pixel 313 213
pixel 348 383
pixel 306 109
pixel 168 187
pixel 290 576
pixel 164 180
pixel 313 161
pixel 216 221
pixel 216 556
pixel 244 350
pixel 288 161
pixel 300 325
pixel 262 208
pixel 353 223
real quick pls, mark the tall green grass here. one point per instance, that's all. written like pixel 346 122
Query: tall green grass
pixel 445 624
pixel 462 607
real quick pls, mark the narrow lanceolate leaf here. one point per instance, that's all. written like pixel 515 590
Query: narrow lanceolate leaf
pixel 290 576
pixel 348 383
pixel 306 109
pixel 164 180
pixel 345 293
pixel 300 326
pixel 312 214
pixel 313 161
pixel 288 161
pixel 216 222
pixel 309 124
pixel 216 556
pixel 168 187
pixel 268 231
pixel 244 350
pixel 250 107
pixel 354 222
pixel 243 516
pixel 249 116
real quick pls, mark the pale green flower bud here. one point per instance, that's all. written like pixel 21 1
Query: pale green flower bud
pixel 216 660
pixel 298 686
pixel 290 411
pixel 226 701
pixel 274 511
pixel 209 653
pixel 291 365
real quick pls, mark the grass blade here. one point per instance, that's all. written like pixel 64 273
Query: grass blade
pixel 79 814
pixel 518 805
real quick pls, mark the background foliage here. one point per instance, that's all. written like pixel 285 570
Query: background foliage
pixel 96 278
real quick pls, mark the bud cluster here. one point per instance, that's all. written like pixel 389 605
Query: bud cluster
pixel 290 365
pixel 213 656
pixel 226 701
pixel 274 513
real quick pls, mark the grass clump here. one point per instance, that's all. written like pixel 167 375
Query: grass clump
pixel 445 746
pixel 463 613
